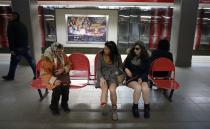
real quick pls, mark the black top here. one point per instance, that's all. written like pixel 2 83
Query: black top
pixel 17 35
pixel 161 53
pixel 157 54
pixel 141 70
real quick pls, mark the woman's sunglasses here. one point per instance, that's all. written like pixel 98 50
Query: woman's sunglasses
pixel 137 48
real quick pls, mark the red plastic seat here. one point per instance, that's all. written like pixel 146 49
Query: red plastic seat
pixel 168 83
pixel 37 83
pixel 80 70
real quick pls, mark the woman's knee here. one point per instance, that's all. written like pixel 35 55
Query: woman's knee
pixel 145 88
pixel 145 85
pixel 134 85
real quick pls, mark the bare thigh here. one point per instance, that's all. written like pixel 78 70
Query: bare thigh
pixel 133 84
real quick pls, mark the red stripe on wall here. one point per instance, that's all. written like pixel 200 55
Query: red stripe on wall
pixel 204 1
pixel 41 22
pixel 4 19
pixel 199 26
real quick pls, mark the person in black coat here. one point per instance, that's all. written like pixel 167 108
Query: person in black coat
pixel 136 67
pixel 162 51
pixel 18 44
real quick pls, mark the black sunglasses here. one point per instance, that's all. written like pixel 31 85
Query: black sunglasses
pixel 137 48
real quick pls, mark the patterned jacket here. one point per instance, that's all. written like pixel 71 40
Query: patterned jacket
pixel 47 68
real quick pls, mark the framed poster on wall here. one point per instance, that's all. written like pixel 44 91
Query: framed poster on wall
pixel 86 28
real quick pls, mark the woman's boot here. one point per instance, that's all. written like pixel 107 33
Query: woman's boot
pixel 135 110
pixel 146 111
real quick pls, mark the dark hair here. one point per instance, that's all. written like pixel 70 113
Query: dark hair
pixel 17 16
pixel 143 54
pixel 163 44
pixel 113 50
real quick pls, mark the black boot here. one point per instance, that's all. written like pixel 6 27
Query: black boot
pixel 135 110
pixel 65 98
pixel 146 111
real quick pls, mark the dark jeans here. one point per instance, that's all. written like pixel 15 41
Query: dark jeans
pixel 57 92
pixel 15 59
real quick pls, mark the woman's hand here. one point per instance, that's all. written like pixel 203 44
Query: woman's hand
pixel 139 80
pixel 59 71
pixel 102 81
pixel 128 72
pixel 57 82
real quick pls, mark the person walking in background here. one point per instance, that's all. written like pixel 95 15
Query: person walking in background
pixel 54 71
pixel 136 67
pixel 18 44
pixel 109 61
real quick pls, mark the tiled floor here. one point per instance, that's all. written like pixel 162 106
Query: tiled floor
pixel 20 107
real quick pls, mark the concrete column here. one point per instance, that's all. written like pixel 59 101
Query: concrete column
pixel 28 10
pixel 183 31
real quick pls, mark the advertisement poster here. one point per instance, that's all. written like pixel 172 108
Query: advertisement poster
pixel 87 28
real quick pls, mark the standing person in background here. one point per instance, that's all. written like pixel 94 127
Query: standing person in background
pixel 54 71
pixel 18 44
pixel 109 61
pixel 136 67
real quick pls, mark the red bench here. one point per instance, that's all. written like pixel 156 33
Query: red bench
pixel 79 74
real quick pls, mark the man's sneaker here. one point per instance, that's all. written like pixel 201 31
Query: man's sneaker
pixel 105 109
pixel 114 114
pixel 7 78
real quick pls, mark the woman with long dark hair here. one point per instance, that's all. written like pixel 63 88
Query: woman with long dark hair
pixel 136 67
pixel 109 61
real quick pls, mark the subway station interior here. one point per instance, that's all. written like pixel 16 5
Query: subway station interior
pixel 184 23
